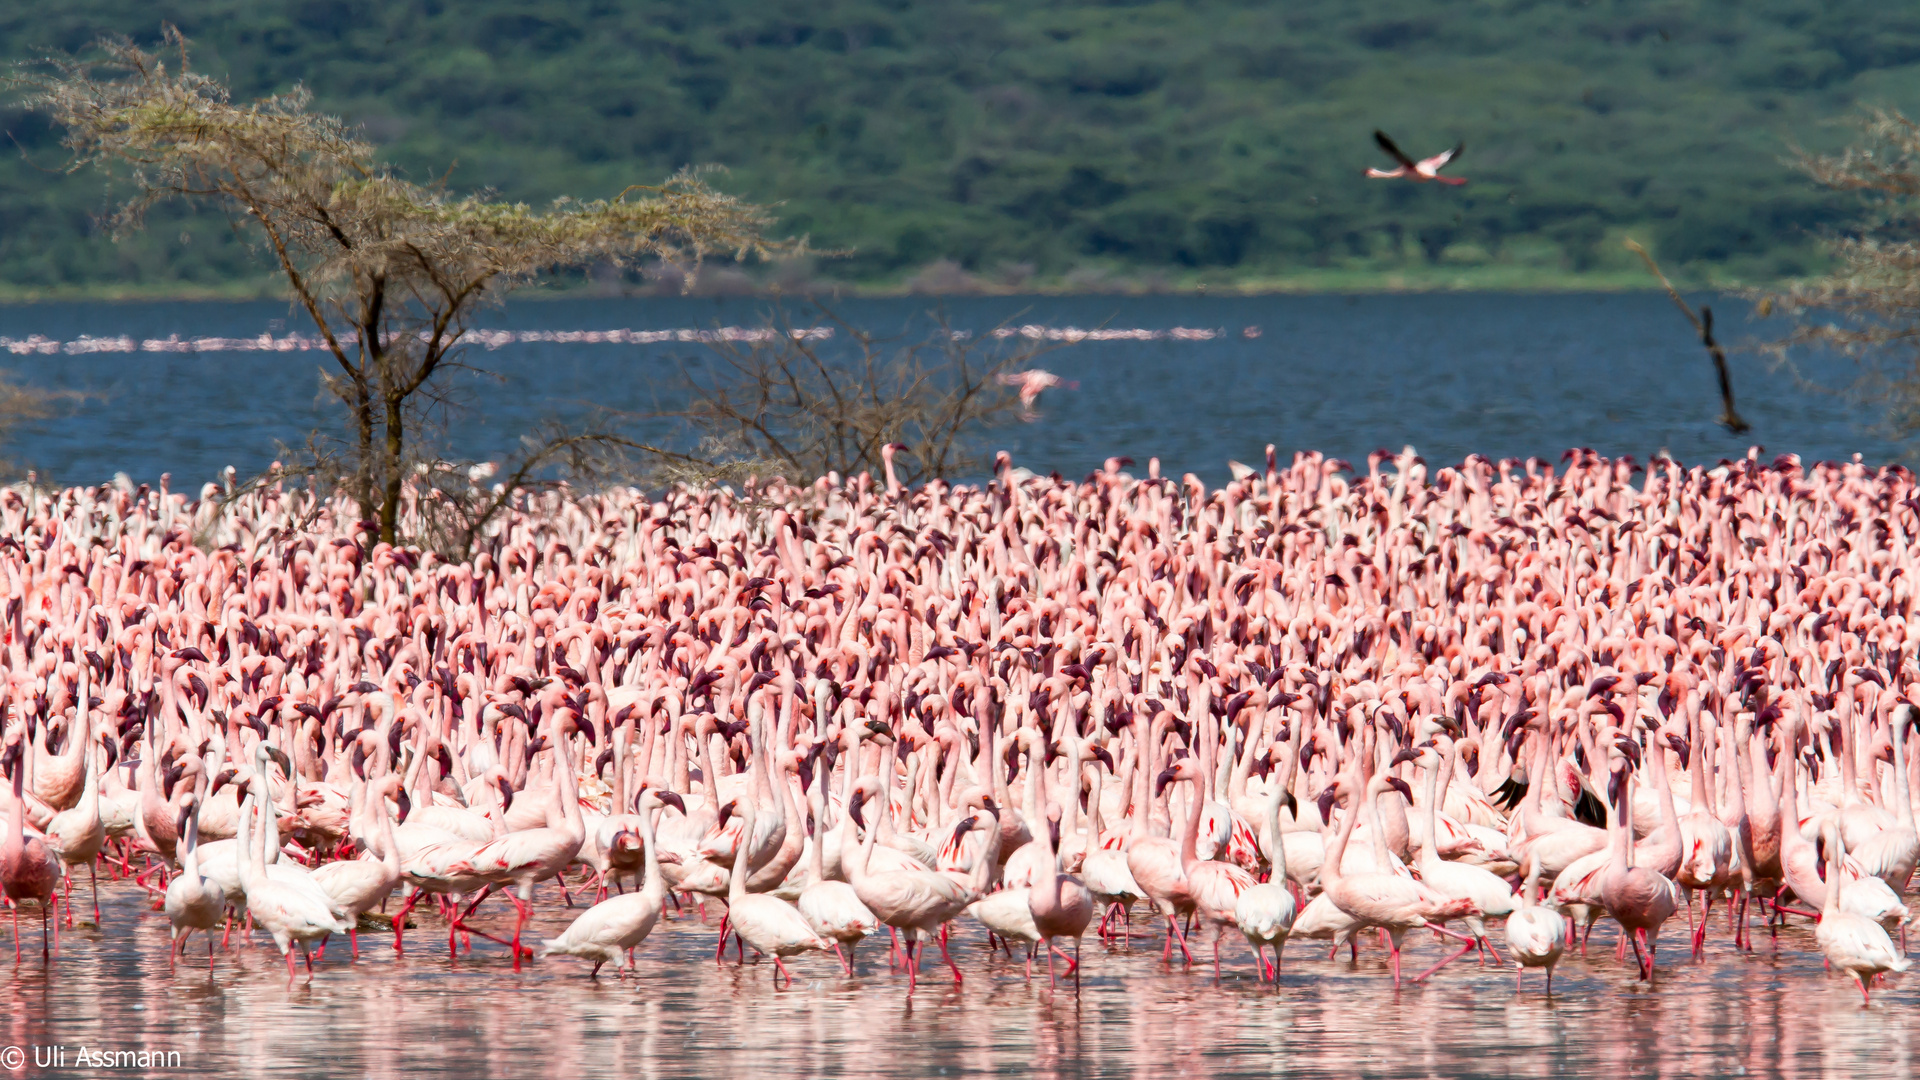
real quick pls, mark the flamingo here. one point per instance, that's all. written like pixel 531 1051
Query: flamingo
pixel 78 835
pixel 293 916
pixel 1536 935
pixel 29 870
pixel 529 856
pixel 357 886
pixel 1032 384
pixel 1457 880
pixel 192 902
pixel 1641 899
pixel 614 927
pixel 1265 912
pixel 916 902
pixel 769 924
pixel 1213 888
pixel 1394 904
pixel 1060 905
pixel 1420 172
pixel 1853 943
pixel 831 908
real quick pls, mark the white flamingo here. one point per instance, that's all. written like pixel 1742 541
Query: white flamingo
pixel 1265 912
pixel 192 902
pixel 768 923
pixel 832 908
pixel 618 924
pixel 1853 943
pixel 1536 935
pixel 291 914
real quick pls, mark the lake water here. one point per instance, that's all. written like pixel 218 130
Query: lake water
pixel 1450 374
pixel 1769 1013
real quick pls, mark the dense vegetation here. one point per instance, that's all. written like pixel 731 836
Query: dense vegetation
pixel 1196 141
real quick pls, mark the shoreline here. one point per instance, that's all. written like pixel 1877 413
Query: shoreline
pixel 1517 281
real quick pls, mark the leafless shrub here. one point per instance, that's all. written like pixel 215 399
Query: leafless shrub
pixel 1868 307
pixel 800 404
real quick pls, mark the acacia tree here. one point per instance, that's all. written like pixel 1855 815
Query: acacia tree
pixel 1868 306
pixel 389 271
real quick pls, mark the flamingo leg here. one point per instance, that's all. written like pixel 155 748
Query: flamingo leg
pixel 947 958
pixel 1464 950
pixel 399 920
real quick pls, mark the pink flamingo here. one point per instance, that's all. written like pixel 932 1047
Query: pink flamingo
pixel 1640 898
pixel 1420 172
pixel 29 870
pixel 1032 384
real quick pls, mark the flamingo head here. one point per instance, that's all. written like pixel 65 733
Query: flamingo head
pixel 1184 769
pixel 1328 795
pixel 1679 745
pixel 965 826
pixel 187 802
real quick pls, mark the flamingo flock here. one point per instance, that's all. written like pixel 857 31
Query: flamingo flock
pixel 1316 703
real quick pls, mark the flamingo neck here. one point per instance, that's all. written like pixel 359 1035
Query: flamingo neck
pixel 737 881
pixel 1330 874
pixel 1900 788
pixel 654 888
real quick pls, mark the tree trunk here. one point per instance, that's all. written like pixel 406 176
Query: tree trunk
pixel 395 470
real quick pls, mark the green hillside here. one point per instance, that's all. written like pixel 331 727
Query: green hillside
pixel 1070 144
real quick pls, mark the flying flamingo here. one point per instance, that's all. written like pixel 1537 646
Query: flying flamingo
pixel 1032 384
pixel 1419 172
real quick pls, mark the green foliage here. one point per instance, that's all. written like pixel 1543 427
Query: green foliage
pixel 1207 139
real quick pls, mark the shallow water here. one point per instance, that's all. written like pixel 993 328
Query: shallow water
pixel 1453 374
pixel 1770 1013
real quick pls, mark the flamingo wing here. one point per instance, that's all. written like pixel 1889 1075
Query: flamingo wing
pixel 1393 151
pixel 1439 161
